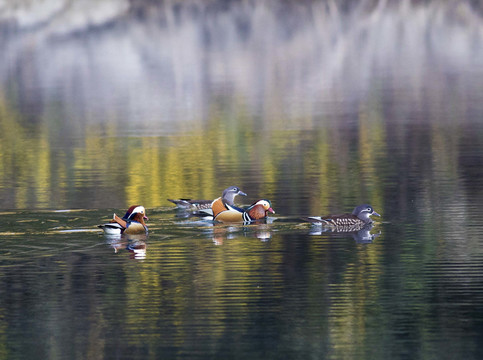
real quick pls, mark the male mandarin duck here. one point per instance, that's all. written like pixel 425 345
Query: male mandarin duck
pixel 224 209
pixel 258 210
pixel 360 217
pixel 131 223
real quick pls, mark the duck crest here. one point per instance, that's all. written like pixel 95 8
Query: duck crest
pixel 133 210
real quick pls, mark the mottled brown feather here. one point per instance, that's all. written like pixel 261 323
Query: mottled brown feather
pixel 192 204
pixel 344 220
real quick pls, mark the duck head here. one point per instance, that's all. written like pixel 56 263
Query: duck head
pixel 136 213
pixel 258 210
pixel 266 204
pixel 364 212
pixel 230 193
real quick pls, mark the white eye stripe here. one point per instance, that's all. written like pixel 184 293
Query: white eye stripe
pixel 138 209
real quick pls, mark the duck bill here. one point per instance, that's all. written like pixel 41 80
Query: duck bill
pixel 242 193
pixel 145 218
pixel 375 213
pixel 271 210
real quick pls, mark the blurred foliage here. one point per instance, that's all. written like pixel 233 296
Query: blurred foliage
pixel 289 108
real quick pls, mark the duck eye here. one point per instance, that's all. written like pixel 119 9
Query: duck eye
pixel 236 189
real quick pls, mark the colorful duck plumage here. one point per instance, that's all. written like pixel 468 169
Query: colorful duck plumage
pixel 224 209
pixel 227 213
pixel 258 210
pixel 131 223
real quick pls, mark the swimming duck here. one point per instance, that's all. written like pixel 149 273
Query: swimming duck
pixel 189 204
pixel 131 223
pixel 258 210
pixel 224 209
pixel 360 217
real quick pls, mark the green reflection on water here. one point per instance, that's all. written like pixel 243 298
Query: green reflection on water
pixel 200 288
pixel 413 156
pixel 41 170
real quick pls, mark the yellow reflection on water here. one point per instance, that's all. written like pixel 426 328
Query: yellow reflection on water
pixel 41 169
pixel 193 283
pixel 42 173
pixel 372 148
pixel 352 304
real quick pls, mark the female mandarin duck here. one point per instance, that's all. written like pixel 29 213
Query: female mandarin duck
pixel 189 204
pixel 228 197
pixel 360 217
pixel 224 208
pixel 131 223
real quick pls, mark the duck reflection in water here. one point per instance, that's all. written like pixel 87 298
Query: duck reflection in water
pixel 363 236
pixel 134 244
pixel 222 232
pixel 137 249
pixel 263 232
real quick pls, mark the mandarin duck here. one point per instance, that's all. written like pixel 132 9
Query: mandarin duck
pixel 189 204
pixel 258 210
pixel 360 217
pixel 224 209
pixel 131 223
pixel 254 212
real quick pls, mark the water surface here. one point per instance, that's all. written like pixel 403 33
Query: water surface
pixel 314 106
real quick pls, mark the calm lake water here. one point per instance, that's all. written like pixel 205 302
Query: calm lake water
pixel 318 106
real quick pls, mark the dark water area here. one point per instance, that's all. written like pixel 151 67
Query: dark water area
pixel 318 106
pixel 264 291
